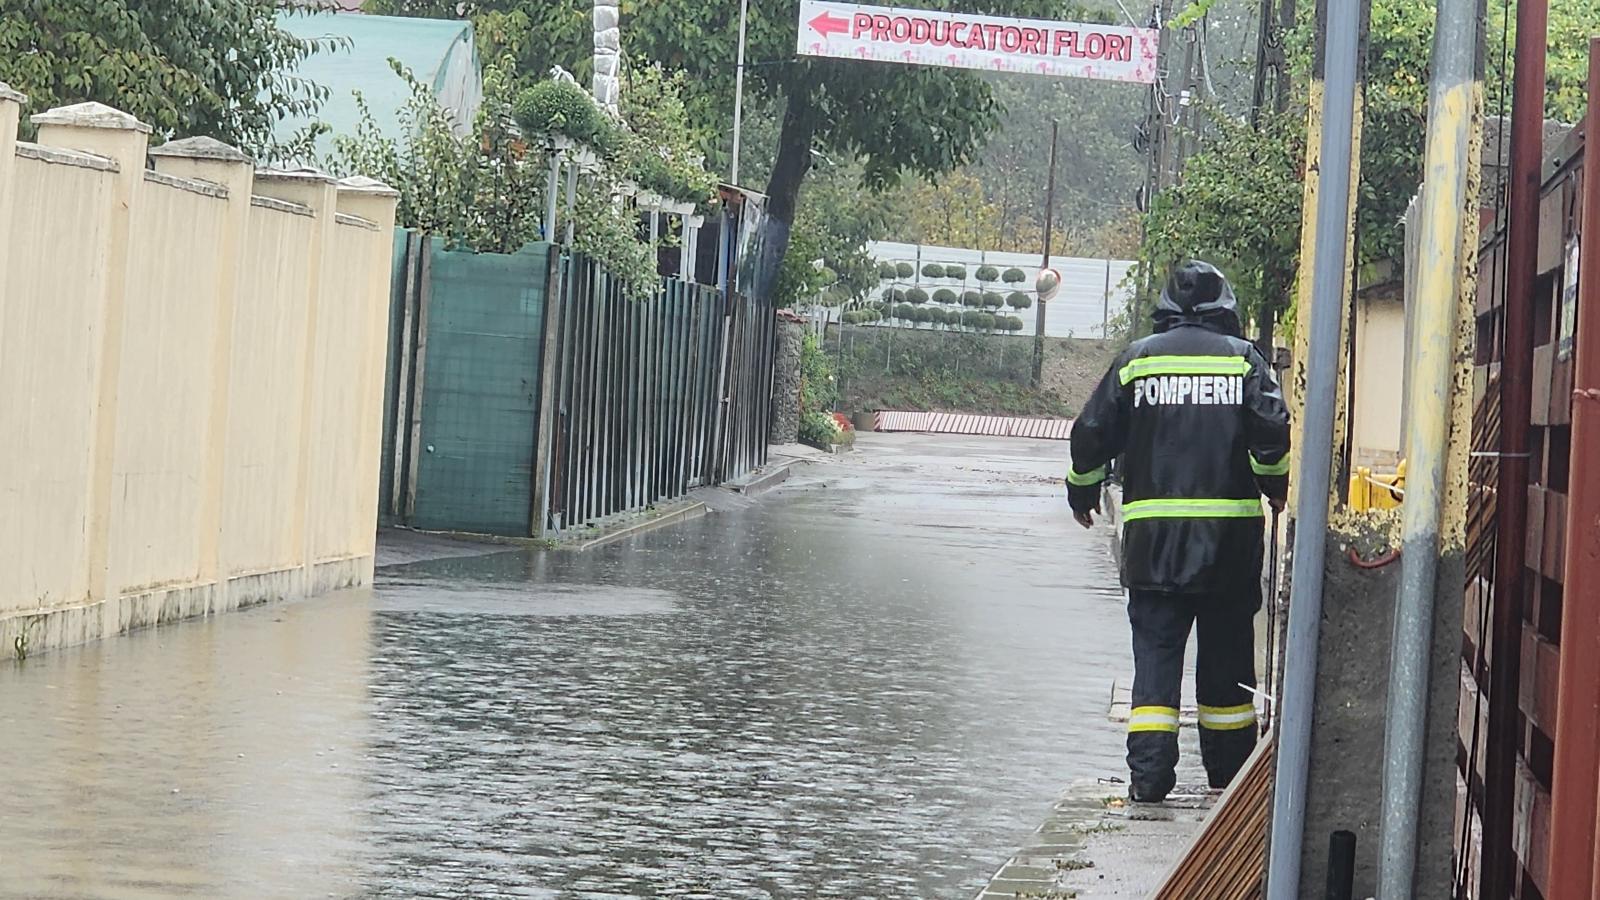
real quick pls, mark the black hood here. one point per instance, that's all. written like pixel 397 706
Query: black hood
pixel 1197 293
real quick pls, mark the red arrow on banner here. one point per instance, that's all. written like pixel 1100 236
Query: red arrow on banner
pixel 826 25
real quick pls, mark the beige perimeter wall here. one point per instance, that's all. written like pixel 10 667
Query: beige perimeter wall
pixel 191 366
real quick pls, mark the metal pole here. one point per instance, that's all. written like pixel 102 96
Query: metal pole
pixel 1049 216
pixel 1316 455
pixel 1516 399
pixel 1452 100
pixel 738 90
pixel 1572 817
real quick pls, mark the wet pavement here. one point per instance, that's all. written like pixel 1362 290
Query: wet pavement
pixel 872 683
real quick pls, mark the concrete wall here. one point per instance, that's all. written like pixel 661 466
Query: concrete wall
pixel 190 366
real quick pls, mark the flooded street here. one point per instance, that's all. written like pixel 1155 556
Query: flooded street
pixel 871 683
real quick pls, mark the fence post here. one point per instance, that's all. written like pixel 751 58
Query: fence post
pixel 315 191
pixel 374 201
pixel 549 374
pixel 211 160
pixel 99 129
pixel 10 114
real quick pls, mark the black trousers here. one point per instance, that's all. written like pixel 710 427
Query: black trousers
pixel 1225 660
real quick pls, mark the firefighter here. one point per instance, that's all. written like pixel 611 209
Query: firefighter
pixel 1198 428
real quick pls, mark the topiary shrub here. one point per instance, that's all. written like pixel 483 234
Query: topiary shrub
pixel 987 274
pixel 917 295
pixel 904 270
pixel 923 316
pixel 991 300
pixel 944 295
pixel 970 318
pixel 933 270
pixel 1010 323
pixel 562 108
pixel 972 298
pixel 886 270
pixel 1018 300
pixel 955 271
pixel 1014 275
pixel 905 312
pixel 985 321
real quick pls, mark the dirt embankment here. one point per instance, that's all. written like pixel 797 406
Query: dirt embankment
pixel 941 371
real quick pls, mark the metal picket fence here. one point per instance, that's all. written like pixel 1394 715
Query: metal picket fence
pixel 650 398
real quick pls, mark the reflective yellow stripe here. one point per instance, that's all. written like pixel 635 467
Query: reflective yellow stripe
pixel 1228 718
pixel 1094 476
pixel 1281 467
pixel 1187 508
pixel 1153 718
pixel 1145 366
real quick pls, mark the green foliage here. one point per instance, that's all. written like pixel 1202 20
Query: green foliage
pixel 988 274
pixel 945 295
pixel 972 319
pixel 922 316
pixel 560 108
pixel 819 429
pixel 972 298
pixel 662 154
pixel 1192 13
pixel 1014 275
pixel 478 191
pixel 220 68
pixel 1010 323
pixel 819 390
pixel 917 295
pixel 933 270
pixel 886 270
pixel 904 270
pixel 954 271
pixel 992 300
pixel 1018 300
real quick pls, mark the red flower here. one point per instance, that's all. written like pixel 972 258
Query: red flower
pixel 844 422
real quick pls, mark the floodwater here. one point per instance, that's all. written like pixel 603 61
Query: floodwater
pixel 869 684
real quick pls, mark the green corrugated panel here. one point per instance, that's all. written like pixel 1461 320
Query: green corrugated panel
pixel 480 403
pixel 391 377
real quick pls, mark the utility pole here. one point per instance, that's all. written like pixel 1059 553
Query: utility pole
pixel 1331 235
pixel 1454 98
pixel 1049 218
pixel 738 90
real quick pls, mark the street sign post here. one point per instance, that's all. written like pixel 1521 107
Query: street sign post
pixel 990 43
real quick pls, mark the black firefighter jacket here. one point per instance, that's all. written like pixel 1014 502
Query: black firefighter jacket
pixel 1202 431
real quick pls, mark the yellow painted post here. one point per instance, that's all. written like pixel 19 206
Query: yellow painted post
pixel 317 192
pixel 111 133
pixel 374 201
pixel 208 159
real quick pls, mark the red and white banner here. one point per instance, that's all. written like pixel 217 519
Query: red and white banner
pixel 991 43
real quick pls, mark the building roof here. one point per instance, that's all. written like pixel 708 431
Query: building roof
pixel 440 53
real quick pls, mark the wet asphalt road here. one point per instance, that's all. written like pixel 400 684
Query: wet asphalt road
pixel 870 684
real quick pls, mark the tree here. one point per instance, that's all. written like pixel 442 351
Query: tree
pixel 218 68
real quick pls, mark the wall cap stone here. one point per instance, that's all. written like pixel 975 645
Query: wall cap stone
pixel 283 206
pixel 17 97
pixel 63 157
pixel 192 185
pixel 90 115
pixel 200 148
pixel 303 174
pixel 361 184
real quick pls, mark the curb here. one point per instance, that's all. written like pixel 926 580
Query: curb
pixel 762 482
pixel 682 514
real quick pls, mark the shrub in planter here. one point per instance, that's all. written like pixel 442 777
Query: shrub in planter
pixel 971 318
pixel 904 270
pixel 562 108
pixel 987 274
pixel 933 270
pixel 1014 275
pixel 986 321
pixel 905 312
pixel 1018 300
pixel 1010 323
pixel 991 300
pixel 821 429
pixel 944 295
pixel 972 298
pixel 886 270
pixel 917 295
pixel 955 271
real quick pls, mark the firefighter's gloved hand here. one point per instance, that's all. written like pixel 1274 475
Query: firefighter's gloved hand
pixel 1085 501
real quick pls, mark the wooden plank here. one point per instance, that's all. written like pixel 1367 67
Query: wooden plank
pixel 1227 859
pixel 1541 668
